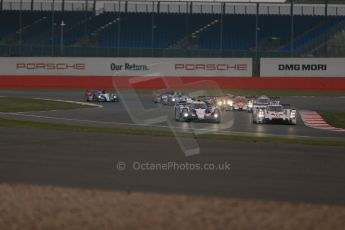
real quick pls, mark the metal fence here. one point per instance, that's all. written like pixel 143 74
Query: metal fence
pixel 18 48
pixel 73 51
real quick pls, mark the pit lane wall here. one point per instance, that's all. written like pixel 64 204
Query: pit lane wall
pixel 162 73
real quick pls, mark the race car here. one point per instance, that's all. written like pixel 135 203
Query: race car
pixel 180 98
pixel 171 98
pixel 225 102
pixel 207 99
pixel 259 103
pixel 250 105
pixel 100 96
pixel 156 97
pixel 167 98
pixel 197 111
pixel 275 113
pixel 240 103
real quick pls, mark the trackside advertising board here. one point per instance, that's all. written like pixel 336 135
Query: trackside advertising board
pixel 136 67
pixel 302 67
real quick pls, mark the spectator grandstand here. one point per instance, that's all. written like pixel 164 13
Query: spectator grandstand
pixel 169 28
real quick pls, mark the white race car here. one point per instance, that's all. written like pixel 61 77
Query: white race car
pixel 172 97
pixel 100 96
pixel 197 111
pixel 261 102
pixel 275 113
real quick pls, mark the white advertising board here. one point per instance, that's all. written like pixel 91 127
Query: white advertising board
pixel 302 67
pixel 168 67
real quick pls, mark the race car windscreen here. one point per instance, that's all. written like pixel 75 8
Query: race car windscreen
pixel 199 106
pixel 262 101
pixel 275 108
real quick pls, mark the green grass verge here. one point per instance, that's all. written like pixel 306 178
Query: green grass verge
pixel 336 119
pixel 12 104
pixel 144 132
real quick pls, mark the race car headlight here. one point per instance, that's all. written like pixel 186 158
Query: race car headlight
pixel 99 96
pixel 185 114
pixel 216 115
pixel 261 114
pixel 293 114
pixel 173 99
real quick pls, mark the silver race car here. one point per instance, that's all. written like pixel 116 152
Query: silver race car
pixel 197 111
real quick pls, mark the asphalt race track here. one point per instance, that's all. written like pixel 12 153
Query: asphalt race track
pixel 138 111
pixel 285 172
pixel 293 173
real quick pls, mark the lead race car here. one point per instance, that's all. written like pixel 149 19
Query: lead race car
pixel 275 113
pixel 197 111
pixel 100 96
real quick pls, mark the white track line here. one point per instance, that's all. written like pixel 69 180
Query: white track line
pixel 314 120
pixel 68 101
